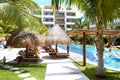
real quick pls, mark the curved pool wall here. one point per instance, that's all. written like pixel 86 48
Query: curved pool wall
pixel 111 60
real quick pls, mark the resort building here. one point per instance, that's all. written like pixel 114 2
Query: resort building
pixel 65 17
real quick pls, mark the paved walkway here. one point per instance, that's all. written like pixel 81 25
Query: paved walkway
pixel 63 69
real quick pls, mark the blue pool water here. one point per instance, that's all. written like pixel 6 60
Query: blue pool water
pixel 111 60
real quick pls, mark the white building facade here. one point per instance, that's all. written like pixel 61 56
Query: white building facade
pixel 65 17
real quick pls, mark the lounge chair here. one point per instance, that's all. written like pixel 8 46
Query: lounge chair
pixel 62 55
pixel 48 48
pixel 58 55
pixel 23 58
pixel 54 54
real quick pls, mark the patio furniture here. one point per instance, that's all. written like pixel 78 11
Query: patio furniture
pixel 50 50
pixel 53 54
pixel 62 55
pixel 47 48
pixel 23 58
pixel 58 55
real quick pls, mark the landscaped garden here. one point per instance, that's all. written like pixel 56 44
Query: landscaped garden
pixel 36 70
pixel 90 71
pixel 17 15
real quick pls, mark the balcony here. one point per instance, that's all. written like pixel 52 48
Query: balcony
pixel 47 20
pixel 71 20
pixel 59 17
pixel 60 14
pixel 59 22
pixel 70 14
pixel 48 13
pixel 49 26
pixel 69 27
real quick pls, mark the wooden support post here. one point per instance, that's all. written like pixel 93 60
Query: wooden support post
pixel 109 41
pixel 56 48
pixel 67 49
pixel 84 48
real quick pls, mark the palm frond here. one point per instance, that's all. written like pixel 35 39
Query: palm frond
pixel 32 6
pixel 20 12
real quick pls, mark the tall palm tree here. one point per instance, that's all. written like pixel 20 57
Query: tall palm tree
pixel 101 12
pixel 21 13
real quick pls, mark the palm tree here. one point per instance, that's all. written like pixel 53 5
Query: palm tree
pixel 6 29
pixel 81 24
pixel 101 12
pixel 21 13
pixel 78 24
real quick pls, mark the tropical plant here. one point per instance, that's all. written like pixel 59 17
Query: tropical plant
pixel 6 28
pixel 21 13
pixel 117 28
pixel 78 24
pixel 100 12
pixel 77 38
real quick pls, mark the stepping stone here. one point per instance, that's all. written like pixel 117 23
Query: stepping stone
pixel 19 71
pixel 14 69
pixel 24 75
pixel 5 65
pixel 31 78
pixel 8 67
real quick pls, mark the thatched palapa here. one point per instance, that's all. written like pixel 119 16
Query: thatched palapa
pixel 57 36
pixel 24 38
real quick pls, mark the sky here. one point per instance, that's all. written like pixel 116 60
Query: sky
pixel 43 2
pixel 48 3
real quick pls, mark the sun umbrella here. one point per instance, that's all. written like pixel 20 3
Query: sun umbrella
pixel 57 36
pixel 24 39
pixel 2 39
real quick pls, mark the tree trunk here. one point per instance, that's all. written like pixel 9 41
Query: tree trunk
pixel 100 48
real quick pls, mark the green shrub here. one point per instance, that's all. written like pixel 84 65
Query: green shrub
pixel 90 39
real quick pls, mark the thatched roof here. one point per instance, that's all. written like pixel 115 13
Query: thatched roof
pixel 24 38
pixel 2 39
pixel 57 36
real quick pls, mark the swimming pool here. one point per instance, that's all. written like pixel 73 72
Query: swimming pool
pixel 111 59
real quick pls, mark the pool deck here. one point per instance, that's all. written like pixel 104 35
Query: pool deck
pixel 57 69
pixel 63 68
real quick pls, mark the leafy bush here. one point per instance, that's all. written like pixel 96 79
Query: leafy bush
pixel 90 39
pixel 77 38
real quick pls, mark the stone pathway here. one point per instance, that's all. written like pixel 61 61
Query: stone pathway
pixel 63 71
pixel 63 68
pixel 21 73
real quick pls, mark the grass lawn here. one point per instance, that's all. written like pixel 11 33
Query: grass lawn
pixel 36 70
pixel 90 71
